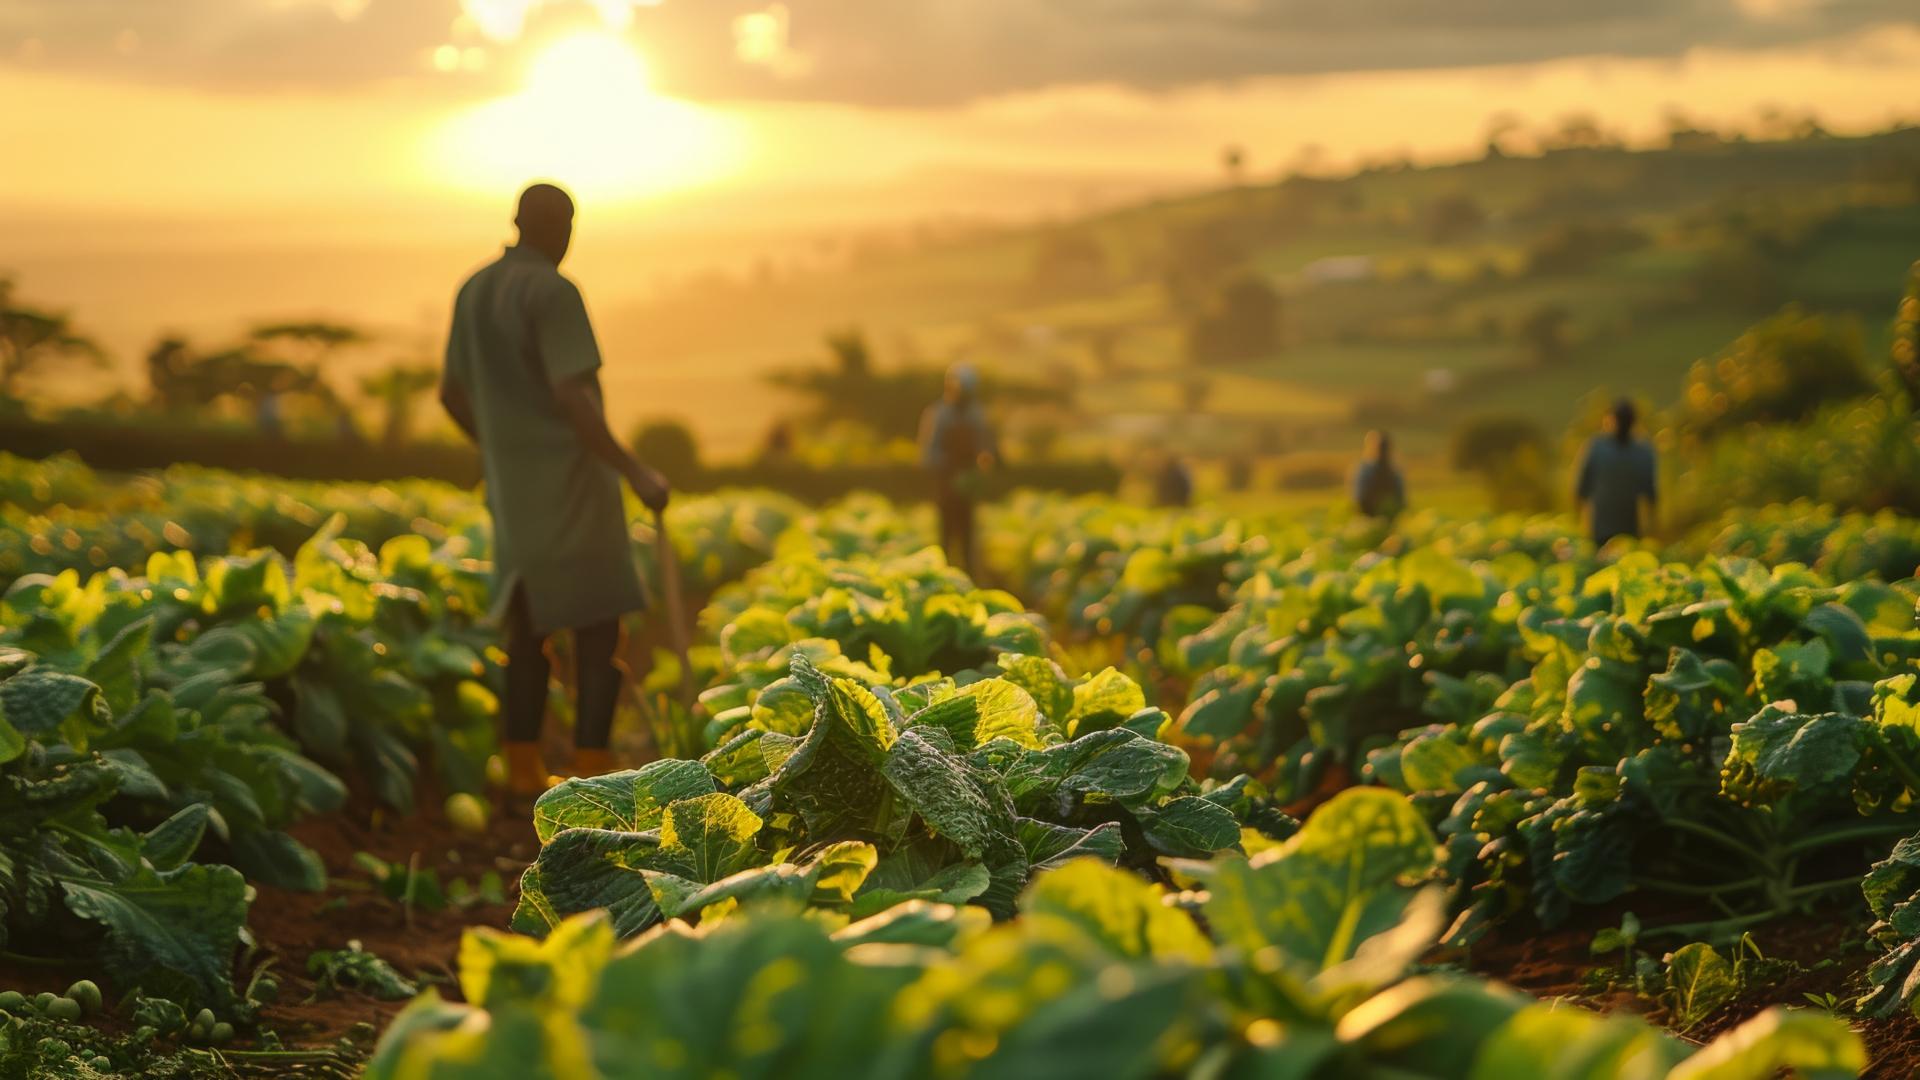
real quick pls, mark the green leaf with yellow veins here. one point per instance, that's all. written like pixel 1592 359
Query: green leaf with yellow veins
pixel 840 869
pixel 1049 846
pixel 1800 1042
pixel 581 870
pixel 784 706
pixel 710 836
pixel 1188 827
pixel 1376 833
pixel 1125 914
pixel 951 796
pixel 1103 701
pixel 1046 683
pixel 1699 982
pixel 629 801
pixel 1548 1039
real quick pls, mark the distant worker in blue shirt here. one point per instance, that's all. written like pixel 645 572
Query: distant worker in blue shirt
pixel 1379 491
pixel 1616 474
pixel 957 446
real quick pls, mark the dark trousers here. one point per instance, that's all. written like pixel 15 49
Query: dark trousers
pixel 956 528
pixel 528 672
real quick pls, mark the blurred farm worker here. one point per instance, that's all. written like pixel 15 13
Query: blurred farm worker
pixel 1173 488
pixel 1379 491
pixel 957 447
pixel 522 380
pixel 1615 476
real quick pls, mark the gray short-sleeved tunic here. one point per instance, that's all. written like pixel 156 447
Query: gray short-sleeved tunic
pixel 1614 477
pixel 559 522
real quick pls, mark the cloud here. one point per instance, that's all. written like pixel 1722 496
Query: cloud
pixel 891 52
pixel 765 39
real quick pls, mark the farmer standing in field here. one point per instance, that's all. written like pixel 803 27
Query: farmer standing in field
pixel 522 381
pixel 1379 491
pixel 1616 474
pixel 957 446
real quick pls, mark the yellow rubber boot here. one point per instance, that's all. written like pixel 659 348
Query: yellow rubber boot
pixel 526 773
pixel 592 762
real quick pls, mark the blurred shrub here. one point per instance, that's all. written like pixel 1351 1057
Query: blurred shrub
pixel 848 387
pixel 1372 410
pixel 1512 455
pixel 1744 276
pixel 1906 337
pixel 1486 443
pixel 1570 249
pixel 1784 368
pixel 1546 333
pixel 1453 217
pixel 1199 255
pixel 1239 476
pixel 1855 455
pixel 1243 323
pixel 115 446
pixel 1844 547
pixel 1312 472
pixel 669 446
pixel 1069 261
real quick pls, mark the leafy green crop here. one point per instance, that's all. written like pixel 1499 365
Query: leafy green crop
pixel 927 791
pixel 1305 974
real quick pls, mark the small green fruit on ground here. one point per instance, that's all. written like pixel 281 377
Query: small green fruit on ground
pixel 12 1001
pixel 43 999
pixel 221 1034
pixel 64 1008
pixel 466 813
pixel 101 1064
pixel 87 994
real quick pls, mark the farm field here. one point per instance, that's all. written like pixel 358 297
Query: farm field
pixel 658 540
pixel 1166 793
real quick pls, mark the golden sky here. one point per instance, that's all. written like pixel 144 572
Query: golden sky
pixel 411 113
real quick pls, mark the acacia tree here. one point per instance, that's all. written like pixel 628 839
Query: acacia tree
pixel 29 337
pixel 307 346
pixel 398 389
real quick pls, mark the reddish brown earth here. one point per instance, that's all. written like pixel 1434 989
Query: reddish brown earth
pixel 290 926
pixel 421 944
pixel 1558 964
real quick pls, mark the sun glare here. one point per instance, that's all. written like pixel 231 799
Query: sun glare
pixel 588 117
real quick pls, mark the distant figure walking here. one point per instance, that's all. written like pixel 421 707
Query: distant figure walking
pixel 522 380
pixel 1173 488
pixel 1616 474
pixel 957 446
pixel 1379 491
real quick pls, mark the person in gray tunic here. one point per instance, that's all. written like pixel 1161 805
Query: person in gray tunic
pixel 522 381
pixel 957 446
pixel 1616 475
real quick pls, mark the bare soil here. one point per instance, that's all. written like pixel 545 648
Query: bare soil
pixel 1806 958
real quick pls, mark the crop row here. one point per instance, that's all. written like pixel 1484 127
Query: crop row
pixel 1742 739
pixel 161 727
pixel 919 847
pixel 877 731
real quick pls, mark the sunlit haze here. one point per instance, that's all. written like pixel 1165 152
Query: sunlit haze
pixel 352 156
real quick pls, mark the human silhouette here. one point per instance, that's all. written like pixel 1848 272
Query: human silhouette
pixel 957 446
pixel 1173 486
pixel 1616 474
pixel 522 380
pixel 1379 491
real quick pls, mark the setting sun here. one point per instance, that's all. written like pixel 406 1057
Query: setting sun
pixel 588 115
